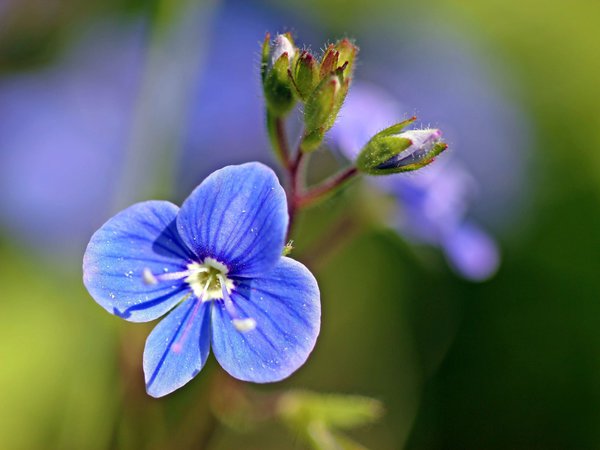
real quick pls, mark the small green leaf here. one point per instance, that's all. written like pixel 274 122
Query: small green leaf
pixel 321 438
pixel 395 129
pixel 333 411
pixel 264 60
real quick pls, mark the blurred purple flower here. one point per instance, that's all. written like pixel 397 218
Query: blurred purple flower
pixel 226 123
pixel 457 85
pixel 62 134
pixel 65 130
pixel 434 201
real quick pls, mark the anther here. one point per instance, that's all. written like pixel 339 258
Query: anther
pixel 244 325
pixel 148 277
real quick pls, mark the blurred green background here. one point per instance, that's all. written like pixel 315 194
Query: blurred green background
pixel 513 362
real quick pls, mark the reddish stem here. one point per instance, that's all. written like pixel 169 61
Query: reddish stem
pixel 295 188
pixel 327 187
pixel 294 165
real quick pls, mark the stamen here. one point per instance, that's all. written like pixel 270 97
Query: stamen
pixel 149 278
pixel 177 275
pixel 208 270
pixel 242 325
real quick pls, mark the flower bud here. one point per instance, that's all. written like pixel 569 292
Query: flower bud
pixel 347 54
pixel 325 101
pixel 321 110
pixel 329 62
pixel 393 152
pixel 277 57
pixel 282 44
pixel 338 58
pixel 306 75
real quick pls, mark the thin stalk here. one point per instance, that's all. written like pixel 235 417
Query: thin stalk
pixel 326 188
pixel 278 137
pixel 296 186
pixel 295 164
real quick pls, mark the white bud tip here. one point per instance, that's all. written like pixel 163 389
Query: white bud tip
pixel 244 325
pixel 420 138
pixel 282 45
pixel 148 277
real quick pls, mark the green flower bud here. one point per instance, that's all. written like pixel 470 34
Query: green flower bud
pixel 393 152
pixel 281 45
pixel 329 63
pixel 320 111
pixel 306 75
pixel 277 58
pixel 325 101
pixel 347 54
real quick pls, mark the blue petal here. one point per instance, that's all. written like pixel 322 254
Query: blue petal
pixel 142 236
pixel 286 307
pixel 238 216
pixel 177 348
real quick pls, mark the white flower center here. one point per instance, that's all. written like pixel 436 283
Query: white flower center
pixel 208 281
pixel 205 279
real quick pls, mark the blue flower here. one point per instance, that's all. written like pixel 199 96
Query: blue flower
pixel 216 263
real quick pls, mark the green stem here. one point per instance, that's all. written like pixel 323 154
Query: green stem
pixel 277 135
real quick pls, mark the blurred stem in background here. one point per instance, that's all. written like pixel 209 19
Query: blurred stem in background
pixel 178 42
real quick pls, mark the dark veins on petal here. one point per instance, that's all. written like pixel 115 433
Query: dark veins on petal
pixel 171 342
pixel 170 244
pixel 145 305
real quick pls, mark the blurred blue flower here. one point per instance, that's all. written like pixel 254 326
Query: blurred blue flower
pixel 434 200
pixel 228 112
pixel 66 130
pixel 217 261
pixel 63 131
pixel 462 87
pixel 228 99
